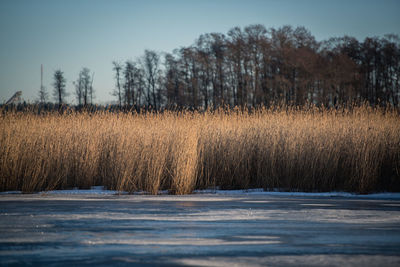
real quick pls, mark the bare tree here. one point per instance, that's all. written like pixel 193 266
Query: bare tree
pixel 117 92
pixel 151 65
pixel 59 87
pixel 129 83
pixel 79 89
pixel 174 87
pixel 86 84
pixel 139 84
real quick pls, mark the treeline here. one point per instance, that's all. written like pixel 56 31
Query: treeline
pixel 251 67
pixel 257 66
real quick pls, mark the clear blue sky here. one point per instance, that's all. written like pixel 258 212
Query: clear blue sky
pixel 72 34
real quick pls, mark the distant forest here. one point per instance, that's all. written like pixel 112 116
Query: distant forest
pixel 257 66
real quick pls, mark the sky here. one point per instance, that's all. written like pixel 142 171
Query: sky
pixel 72 34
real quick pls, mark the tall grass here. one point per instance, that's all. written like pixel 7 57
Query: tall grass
pixel 312 149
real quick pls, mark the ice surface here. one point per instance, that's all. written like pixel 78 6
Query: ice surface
pixel 204 229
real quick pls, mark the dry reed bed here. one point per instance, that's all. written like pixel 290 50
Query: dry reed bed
pixel 311 150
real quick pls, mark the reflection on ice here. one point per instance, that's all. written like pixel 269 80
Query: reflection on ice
pixel 301 215
pixel 181 242
pixel 294 260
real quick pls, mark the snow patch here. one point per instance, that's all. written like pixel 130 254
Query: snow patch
pixel 100 190
pixel 260 191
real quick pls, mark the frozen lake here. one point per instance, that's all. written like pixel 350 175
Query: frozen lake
pixel 199 230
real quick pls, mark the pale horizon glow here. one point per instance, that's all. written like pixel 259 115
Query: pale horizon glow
pixel 69 35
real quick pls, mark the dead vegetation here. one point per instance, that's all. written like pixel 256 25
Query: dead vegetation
pixel 312 149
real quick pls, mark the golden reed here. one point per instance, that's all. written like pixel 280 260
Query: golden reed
pixel 312 149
